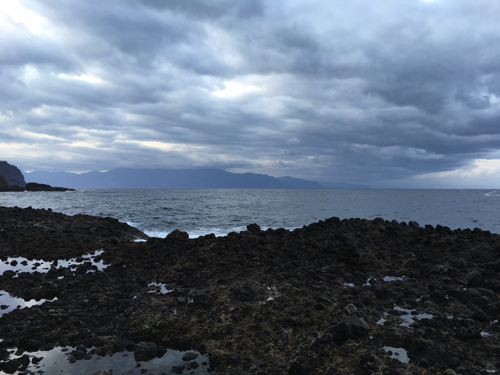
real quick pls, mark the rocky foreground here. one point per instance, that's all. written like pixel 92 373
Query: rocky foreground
pixel 336 297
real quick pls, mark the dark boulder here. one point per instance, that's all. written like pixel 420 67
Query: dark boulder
pixel 178 236
pixel 10 367
pixel 351 328
pixel 254 228
pixel 178 369
pixel 189 356
pixel 380 291
pixel 427 354
pixel 9 273
pixel 145 351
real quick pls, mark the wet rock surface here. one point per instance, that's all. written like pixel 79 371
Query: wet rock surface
pixel 315 300
pixel 44 234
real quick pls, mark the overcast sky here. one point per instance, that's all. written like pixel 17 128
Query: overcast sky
pixel 387 93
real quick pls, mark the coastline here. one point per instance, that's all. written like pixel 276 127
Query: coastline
pixel 327 298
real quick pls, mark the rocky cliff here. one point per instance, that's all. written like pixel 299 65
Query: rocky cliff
pixel 12 174
pixel 11 179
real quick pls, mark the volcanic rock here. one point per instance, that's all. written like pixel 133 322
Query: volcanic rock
pixel 145 351
pixel 264 302
pixel 351 328
pixel 189 356
pixel 33 186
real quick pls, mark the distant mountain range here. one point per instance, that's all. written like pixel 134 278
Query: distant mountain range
pixel 169 179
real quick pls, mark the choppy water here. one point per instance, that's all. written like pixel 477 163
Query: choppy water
pixel 220 211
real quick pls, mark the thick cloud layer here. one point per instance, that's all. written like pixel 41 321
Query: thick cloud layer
pixel 384 93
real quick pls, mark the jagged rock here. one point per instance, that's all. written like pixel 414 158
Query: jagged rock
pixel 178 236
pixel 380 290
pixel 351 328
pixel 426 354
pixel 11 366
pixel 253 228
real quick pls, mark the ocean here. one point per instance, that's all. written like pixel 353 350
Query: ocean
pixel 158 212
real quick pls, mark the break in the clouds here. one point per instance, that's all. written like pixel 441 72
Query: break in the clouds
pixel 383 93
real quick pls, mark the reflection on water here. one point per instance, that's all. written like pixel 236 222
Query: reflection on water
pixel 397 353
pixel 20 264
pixel 9 303
pixel 409 316
pixel 57 361
pixel 159 288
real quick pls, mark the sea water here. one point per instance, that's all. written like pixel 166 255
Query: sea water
pixel 157 212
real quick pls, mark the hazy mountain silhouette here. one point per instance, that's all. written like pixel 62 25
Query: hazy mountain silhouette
pixel 169 179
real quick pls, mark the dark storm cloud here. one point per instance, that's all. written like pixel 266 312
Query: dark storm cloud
pixel 364 92
pixel 205 9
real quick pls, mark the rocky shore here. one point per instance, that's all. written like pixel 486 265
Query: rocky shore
pixel 30 186
pixel 335 297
